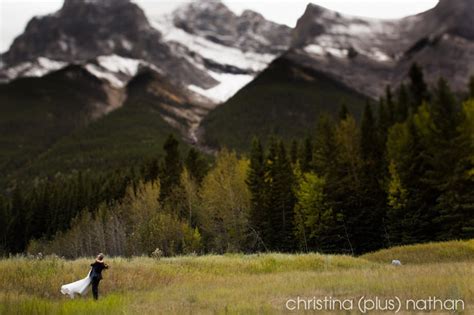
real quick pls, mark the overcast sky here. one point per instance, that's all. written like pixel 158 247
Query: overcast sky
pixel 14 14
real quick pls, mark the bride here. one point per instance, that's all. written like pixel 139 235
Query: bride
pixel 78 287
pixel 93 277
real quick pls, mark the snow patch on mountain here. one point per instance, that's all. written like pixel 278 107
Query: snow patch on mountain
pixel 199 49
pixel 119 64
pixel 315 49
pixel 325 51
pixel 379 55
pixel 37 68
pixel 228 86
pixel 207 49
pixel 112 78
pixel 116 70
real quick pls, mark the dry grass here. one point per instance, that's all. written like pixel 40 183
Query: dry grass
pixel 236 284
pixel 453 251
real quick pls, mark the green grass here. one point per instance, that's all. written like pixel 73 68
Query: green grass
pixel 237 283
pixel 285 100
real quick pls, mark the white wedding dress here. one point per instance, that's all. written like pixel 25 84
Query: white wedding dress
pixel 78 287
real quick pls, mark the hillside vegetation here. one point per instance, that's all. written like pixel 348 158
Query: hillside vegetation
pixel 285 100
pixel 129 135
pixel 37 112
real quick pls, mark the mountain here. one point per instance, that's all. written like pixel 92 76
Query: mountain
pixel 83 30
pixel 367 54
pixel 133 133
pixel 285 100
pixel 203 48
pixel 36 112
pixel 268 77
pixel 335 58
pixel 230 48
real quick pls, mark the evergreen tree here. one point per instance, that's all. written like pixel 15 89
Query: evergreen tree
pixel 343 112
pixel 471 87
pixel 269 213
pixel 444 112
pixel 256 184
pixel 344 182
pixel 306 160
pixel 5 219
pixel 284 183
pixel 369 141
pixel 325 147
pixel 17 237
pixel 196 165
pixel 390 105
pixel 411 199
pixel 171 168
pixel 279 199
pixel 383 121
pixel 418 88
pixel 294 153
pixel 327 165
pixel 403 100
pixel 372 197
pixel 449 156
pixel 151 170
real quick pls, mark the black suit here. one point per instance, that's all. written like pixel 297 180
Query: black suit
pixel 96 276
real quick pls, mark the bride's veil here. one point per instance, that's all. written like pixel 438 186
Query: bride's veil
pixel 78 287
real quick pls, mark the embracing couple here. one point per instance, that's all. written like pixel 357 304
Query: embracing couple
pixel 92 279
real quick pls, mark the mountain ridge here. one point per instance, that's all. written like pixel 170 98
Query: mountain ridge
pixel 211 57
pixel 369 54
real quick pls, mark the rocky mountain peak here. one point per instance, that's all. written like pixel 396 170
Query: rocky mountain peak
pixel 82 29
pixel 367 53
pixel 210 19
pixel 455 16
pixel 87 29
pixel 74 3
pixel 312 23
pixel 249 31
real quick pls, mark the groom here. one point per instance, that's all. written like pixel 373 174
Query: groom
pixel 96 274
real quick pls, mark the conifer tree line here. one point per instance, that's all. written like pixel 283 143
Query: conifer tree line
pixel 402 174
pixel 47 207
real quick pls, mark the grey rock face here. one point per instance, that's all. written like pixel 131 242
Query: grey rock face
pixel 203 48
pixel 231 48
pixel 85 29
pixel 368 54
pixel 249 31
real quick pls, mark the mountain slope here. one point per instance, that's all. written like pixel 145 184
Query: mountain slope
pixel 367 54
pixel 231 48
pixel 36 112
pixel 203 48
pixel 285 100
pixel 82 30
pixel 129 135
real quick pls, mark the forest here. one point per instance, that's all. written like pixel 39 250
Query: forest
pixel 402 174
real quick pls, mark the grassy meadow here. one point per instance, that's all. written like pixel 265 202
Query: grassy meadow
pixel 240 284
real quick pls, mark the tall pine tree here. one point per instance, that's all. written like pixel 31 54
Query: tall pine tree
pixel 256 182
pixel 418 88
pixel 171 167
pixel 196 165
